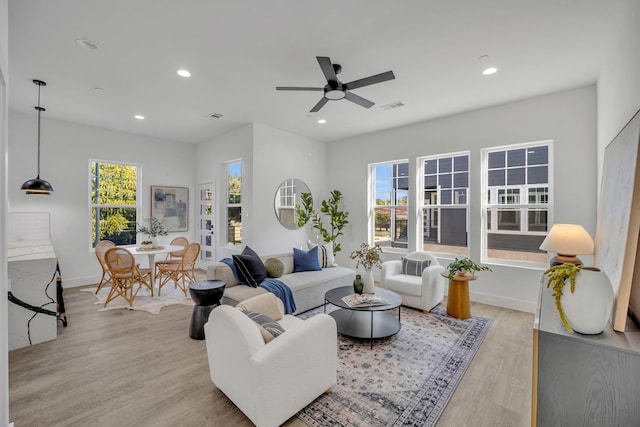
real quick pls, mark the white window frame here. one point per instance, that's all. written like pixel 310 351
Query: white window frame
pixel 228 205
pixel 372 205
pixel 138 204
pixel 523 207
pixel 421 205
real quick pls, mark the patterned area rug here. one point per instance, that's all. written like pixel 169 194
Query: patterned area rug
pixel 406 379
pixel 143 301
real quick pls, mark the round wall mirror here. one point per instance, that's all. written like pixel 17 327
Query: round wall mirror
pixel 291 193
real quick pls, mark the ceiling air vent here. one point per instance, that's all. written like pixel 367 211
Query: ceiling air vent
pixel 214 115
pixel 393 105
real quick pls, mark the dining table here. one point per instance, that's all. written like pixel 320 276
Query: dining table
pixel 151 254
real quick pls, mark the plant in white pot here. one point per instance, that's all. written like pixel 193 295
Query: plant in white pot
pixel 368 257
pixel 156 228
pixel 587 307
pixel 464 266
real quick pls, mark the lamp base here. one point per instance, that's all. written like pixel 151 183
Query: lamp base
pixel 564 259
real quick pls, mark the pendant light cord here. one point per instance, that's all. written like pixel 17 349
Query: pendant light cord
pixel 39 111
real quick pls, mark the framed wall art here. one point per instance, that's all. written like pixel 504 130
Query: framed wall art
pixel 171 206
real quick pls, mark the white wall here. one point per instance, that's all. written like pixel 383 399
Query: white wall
pixel 269 156
pixel 65 152
pixel 568 118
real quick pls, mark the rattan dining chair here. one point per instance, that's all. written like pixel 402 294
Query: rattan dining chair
pixel 100 249
pixel 125 274
pixel 175 256
pixel 181 273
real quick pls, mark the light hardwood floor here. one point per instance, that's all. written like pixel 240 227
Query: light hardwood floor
pixel 130 368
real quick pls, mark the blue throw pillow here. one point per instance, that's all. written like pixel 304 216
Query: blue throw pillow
pixel 305 261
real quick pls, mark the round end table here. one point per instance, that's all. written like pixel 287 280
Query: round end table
pixel 206 295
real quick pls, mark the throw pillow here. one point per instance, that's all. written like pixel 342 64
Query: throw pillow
pixel 414 267
pixel 325 254
pixel 269 328
pixel 275 267
pixel 305 260
pixel 250 267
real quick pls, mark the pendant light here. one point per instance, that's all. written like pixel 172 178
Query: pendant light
pixel 36 185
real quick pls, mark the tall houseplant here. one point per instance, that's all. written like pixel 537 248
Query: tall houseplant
pixel 331 210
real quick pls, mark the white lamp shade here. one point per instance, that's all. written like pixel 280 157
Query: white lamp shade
pixel 568 239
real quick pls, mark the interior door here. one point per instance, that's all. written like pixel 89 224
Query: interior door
pixel 206 224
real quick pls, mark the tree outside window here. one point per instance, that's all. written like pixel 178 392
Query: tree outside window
pixel 114 206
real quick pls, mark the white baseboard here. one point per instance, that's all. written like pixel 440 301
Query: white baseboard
pixel 511 303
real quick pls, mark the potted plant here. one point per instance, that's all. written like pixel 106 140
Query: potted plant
pixel 156 228
pixel 368 257
pixel 463 266
pixel 337 220
pixel 587 307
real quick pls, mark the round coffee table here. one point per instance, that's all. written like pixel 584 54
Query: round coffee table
pixel 371 322
pixel 206 295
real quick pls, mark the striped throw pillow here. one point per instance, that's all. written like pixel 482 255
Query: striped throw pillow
pixel 414 267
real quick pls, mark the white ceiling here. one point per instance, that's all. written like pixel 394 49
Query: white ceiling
pixel 238 51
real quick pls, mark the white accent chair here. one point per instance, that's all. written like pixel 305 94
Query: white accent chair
pixel 422 292
pixel 270 382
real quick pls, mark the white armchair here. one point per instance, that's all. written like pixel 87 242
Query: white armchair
pixel 423 292
pixel 270 382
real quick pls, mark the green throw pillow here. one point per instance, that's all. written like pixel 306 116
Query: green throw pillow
pixel 275 267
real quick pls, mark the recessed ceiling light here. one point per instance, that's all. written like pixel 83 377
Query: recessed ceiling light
pixel 139 117
pixel 489 70
pixel 98 89
pixel 184 73
pixel 87 43
pixel 488 66
pixel 322 121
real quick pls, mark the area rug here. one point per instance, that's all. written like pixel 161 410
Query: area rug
pixel 143 301
pixel 406 379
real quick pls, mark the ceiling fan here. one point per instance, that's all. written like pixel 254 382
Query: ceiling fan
pixel 335 90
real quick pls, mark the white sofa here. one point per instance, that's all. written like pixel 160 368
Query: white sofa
pixel 270 382
pixel 423 292
pixel 308 287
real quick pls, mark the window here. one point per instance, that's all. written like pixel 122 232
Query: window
pixel 444 200
pixel 390 194
pixel 517 201
pixel 234 203
pixel 114 202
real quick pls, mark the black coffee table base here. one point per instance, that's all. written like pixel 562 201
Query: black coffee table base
pixel 366 324
pixel 206 296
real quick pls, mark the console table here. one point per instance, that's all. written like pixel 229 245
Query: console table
pixel 583 380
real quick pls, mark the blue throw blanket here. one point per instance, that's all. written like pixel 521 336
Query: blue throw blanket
pixel 275 286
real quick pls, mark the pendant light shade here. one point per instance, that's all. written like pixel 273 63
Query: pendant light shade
pixel 36 185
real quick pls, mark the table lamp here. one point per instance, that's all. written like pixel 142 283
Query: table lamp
pixel 567 241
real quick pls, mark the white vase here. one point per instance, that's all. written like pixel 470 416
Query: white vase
pixel 588 309
pixel 154 241
pixel 369 284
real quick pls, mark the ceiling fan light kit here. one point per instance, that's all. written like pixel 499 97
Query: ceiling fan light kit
pixel 36 185
pixel 335 90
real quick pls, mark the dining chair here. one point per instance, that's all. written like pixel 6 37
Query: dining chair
pixel 125 274
pixel 181 273
pixel 175 256
pixel 100 250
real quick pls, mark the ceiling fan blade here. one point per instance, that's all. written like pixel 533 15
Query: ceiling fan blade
pixel 327 68
pixel 298 88
pixel 319 105
pixel 359 100
pixel 378 78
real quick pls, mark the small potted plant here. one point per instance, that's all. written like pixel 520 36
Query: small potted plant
pixel 156 228
pixel 463 266
pixel 368 257
pixel 146 244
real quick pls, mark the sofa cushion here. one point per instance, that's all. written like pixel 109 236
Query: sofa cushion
pixel 269 328
pixel 414 266
pixel 326 258
pixel 404 284
pixel 305 260
pixel 251 269
pixel 275 267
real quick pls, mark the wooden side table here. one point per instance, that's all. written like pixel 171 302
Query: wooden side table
pixel 458 304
